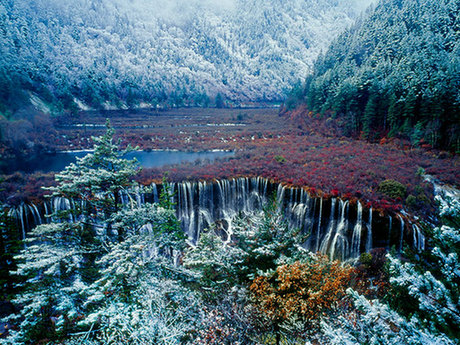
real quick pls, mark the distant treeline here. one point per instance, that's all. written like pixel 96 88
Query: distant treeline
pixel 396 72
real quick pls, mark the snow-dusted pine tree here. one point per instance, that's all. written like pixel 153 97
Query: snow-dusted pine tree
pixel 97 180
pixel 60 258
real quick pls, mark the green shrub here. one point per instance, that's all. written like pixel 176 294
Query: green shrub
pixel 420 171
pixel 280 159
pixel 422 198
pixel 392 189
pixel 365 259
pixel 411 201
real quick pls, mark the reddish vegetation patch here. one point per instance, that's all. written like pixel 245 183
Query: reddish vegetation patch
pixel 311 153
pixel 325 166
pixel 17 188
pixel 298 149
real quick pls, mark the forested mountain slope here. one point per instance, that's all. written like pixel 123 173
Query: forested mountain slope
pixel 396 72
pixel 103 52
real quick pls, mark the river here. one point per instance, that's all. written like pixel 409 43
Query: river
pixel 147 159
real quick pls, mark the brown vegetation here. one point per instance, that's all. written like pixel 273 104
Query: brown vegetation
pixel 301 292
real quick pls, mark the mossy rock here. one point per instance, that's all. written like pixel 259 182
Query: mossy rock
pixel 365 259
pixel 393 189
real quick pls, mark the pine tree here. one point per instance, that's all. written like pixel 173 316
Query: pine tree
pixel 408 52
pixel 60 260
pixel 96 181
pixel 219 101
pixel 10 244
pixel 435 286
pixel 370 113
pixel 393 114
pixel 140 276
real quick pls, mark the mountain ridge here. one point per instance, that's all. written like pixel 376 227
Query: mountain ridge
pixel 181 54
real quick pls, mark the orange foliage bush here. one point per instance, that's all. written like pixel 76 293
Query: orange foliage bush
pixel 301 291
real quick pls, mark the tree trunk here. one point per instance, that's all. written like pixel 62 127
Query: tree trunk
pixel 277 335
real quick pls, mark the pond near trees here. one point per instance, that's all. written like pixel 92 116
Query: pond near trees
pixel 147 159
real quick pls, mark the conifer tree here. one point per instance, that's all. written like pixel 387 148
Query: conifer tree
pixel 96 181
pixel 400 64
pixel 370 113
pixel 60 260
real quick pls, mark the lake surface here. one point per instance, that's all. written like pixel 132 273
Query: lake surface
pixel 147 159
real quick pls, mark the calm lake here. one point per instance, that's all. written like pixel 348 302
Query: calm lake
pixel 147 159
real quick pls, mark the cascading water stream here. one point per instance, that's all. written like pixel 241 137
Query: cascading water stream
pixel 36 214
pixel 419 239
pixel 369 232
pixel 401 234
pixel 334 227
pixel 325 245
pixel 357 231
pixel 339 245
pixel 319 224
pixel 390 226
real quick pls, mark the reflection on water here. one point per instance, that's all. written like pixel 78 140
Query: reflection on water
pixel 147 159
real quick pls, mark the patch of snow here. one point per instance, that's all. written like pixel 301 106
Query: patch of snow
pixel 108 106
pixel 39 104
pixel 81 105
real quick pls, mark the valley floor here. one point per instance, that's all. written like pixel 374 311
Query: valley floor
pixel 295 148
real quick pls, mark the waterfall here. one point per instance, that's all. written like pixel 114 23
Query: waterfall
pixel 402 234
pixel 298 213
pixel 23 215
pixel 265 187
pixel 18 215
pixel 369 232
pixel 357 230
pixel 300 210
pixel 204 211
pixel 184 204
pixel 418 238
pixel 201 204
pixel 325 245
pixel 390 225
pixel 124 198
pixel 36 214
pixel 27 217
pixel 340 242
pixel 61 204
pixel 171 188
pixel 156 198
pixel 139 196
pixel 47 212
pixel 308 226
pixel 319 224
pixel 226 212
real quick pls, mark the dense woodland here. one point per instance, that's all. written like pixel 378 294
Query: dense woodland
pixel 109 54
pixel 396 73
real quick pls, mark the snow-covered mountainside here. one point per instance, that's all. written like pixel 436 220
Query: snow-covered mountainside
pixel 395 73
pixel 183 51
